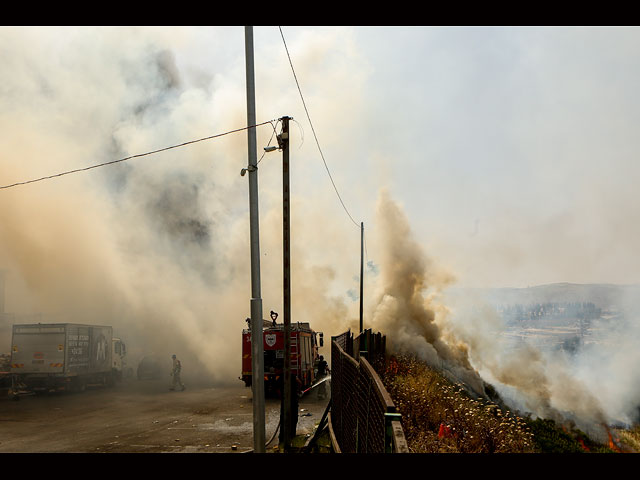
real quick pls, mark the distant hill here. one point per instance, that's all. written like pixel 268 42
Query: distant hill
pixel 604 296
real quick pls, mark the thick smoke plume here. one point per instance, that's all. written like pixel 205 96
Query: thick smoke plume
pixel 157 247
pixel 462 342
pixel 407 308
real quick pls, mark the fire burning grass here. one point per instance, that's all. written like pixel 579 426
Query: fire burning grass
pixel 438 417
pixel 630 438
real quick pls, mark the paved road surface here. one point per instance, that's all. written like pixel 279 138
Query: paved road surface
pixel 143 416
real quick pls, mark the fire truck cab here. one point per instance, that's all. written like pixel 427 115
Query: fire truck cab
pixel 305 343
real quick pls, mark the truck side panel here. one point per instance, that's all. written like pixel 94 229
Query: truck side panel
pixel 78 349
pixel 70 349
pixel 38 349
pixel 101 349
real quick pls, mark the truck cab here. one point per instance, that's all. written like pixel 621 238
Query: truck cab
pixel 119 358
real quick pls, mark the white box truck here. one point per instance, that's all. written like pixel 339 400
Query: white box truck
pixel 64 356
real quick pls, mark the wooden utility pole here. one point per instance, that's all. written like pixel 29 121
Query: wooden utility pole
pixel 257 348
pixel 283 141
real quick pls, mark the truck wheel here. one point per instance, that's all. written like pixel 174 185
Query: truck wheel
pixel 79 385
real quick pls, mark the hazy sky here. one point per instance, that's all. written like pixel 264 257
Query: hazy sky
pixel 511 151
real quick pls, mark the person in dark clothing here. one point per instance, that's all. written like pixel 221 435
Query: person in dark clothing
pixel 322 367
pixel 323 370
pixel 175 373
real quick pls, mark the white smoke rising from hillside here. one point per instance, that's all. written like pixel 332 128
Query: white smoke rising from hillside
pixel 407 309
pixel 461 342
pixel 592 383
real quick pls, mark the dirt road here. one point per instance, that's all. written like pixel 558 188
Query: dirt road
pixel 143 416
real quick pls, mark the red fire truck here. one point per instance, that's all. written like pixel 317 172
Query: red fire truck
pixel 304 355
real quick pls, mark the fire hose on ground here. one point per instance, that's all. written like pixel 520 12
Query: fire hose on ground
pixel 320 425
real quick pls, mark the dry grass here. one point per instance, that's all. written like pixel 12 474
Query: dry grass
pixel 439 417
pixel 630 438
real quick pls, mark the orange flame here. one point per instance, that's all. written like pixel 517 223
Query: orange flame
pixel 393 367
pixel 584 447
pixel 612 444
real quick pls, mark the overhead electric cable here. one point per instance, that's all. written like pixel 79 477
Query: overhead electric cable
pixel 314 132
pixel 274 133
pixel 133 156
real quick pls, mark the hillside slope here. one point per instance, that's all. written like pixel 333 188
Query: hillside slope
pixel 439 417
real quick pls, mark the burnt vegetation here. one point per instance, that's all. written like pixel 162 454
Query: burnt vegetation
pixel 441 417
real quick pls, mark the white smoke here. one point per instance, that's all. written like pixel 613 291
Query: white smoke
pixel 157 246
pixel 462 336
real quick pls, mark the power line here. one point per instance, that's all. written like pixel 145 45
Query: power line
pixel 274 133
pixel 314 132
pixel 132 156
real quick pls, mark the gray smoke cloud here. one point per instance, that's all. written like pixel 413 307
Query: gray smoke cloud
pixel 462 337
pixel 408 309
pixel 157 246
pixel 591 385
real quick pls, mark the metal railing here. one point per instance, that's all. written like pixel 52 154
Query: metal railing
pixel 363 417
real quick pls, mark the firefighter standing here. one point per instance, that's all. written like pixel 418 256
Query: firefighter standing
pixel 323 369
pixel 175 373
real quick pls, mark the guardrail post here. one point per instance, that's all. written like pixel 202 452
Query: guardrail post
pixel 389 418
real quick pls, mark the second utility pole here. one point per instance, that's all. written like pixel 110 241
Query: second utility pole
pixel 283 140
pixel 361 272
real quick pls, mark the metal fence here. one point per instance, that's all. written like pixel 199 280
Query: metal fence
pixel 363 417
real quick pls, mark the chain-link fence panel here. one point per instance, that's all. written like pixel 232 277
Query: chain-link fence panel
pixel 362 412
pixel 344 400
